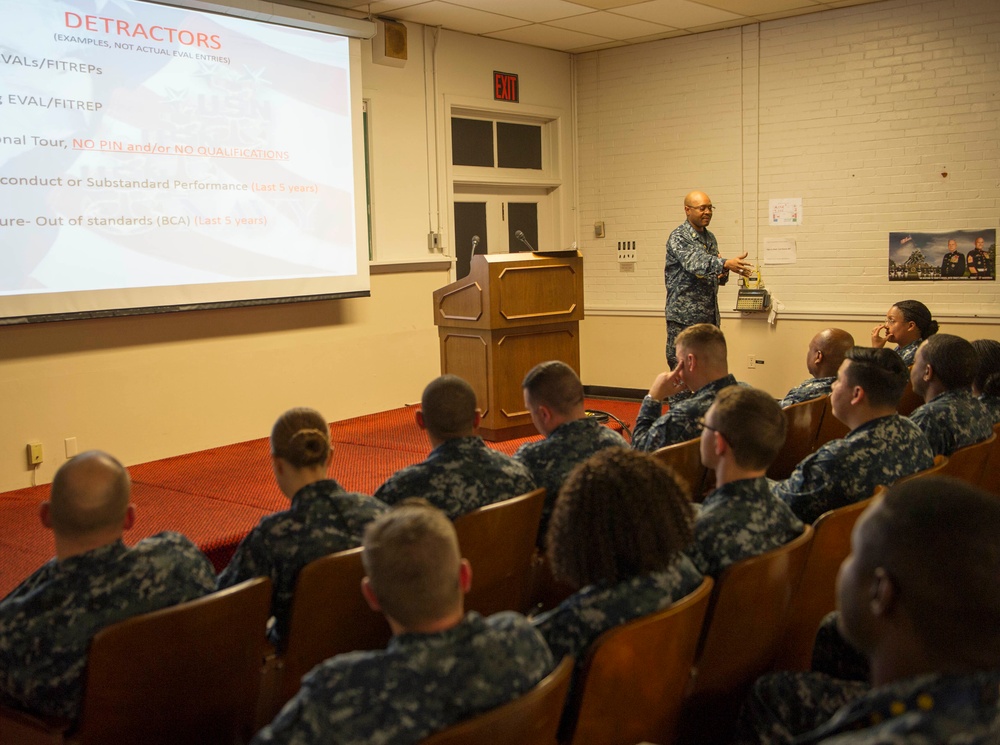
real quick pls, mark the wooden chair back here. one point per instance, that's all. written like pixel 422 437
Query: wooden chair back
pixel 940 462
pixel 909 400
pixel 969 463
pixel 685 460
pixel 499 541
pixel 815 594
pixel 632 682
pixel 743 630
pixel 830 428
pixel 329 617
pixel 531 719
pixel 803 421
pixel 188 673
pixel 991 481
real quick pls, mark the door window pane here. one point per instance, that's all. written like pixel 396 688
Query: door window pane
pixel 519 146
pixel 471 142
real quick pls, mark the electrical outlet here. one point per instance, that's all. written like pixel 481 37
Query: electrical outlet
pixel 34 453
pixel 751 361
pixel 599 229
pixel 626 252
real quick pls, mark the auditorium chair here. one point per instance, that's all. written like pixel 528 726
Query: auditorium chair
pixel 991 479
pixel 531 719
pixel 684 458
pixel 830 428
pixel 970 464
pixel 804 420
pixel 188 673
pixel 631 683
pixel 909 400
pixel 499 542
pixel 742 633
pixel 329 617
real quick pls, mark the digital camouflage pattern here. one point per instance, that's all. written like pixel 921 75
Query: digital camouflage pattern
pixel 458 476
pixel 953 420
pixel 807 391
pixel 909 352
pixel 834 655
pixel 550 460
pixel 923 710
pixel 691 274
pixel 739 520
pixel 47 622
pixel 992 404
pixel 577 621
pixel 680 423
pixel 417 685
pixel 781 706
pixel 322 519
pixel 847 470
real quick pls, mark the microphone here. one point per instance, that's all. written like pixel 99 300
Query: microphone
pixel 475 242
pixel 519 234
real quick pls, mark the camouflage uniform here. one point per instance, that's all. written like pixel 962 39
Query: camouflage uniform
pixel 417 685
pixel 47 622
pixel 680 423
pixel 739 520
pixel 953 420
pixel 909 352
pixel 550 460
pixel 323 519
pixel 992 404
pixel 691 274
pixel 459 476
pixel 834 655
pixel 848 469
pixel 574 624
pixel 807 391
pixel 784 705
pixel 923 710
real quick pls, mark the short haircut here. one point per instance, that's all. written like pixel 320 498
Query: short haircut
pixel 554 384
pixel 834 343
pixel 411 558
pixel 953 360
pixel 987 378
pixel 916 311
pixel 301 436
pixel 90 493
pixel 448 405
pixel 937 539
pixel 619 514
pixel 880 372
pixel 752 423
pixel 705 340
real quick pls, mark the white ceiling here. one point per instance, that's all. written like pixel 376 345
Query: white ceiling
pixel 581 25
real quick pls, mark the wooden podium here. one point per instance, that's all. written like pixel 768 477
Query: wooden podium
pixel 511 312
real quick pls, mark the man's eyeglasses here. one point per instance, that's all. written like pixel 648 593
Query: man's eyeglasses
pixel 705 425
pixel 703 208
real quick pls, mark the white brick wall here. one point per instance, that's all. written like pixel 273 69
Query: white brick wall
pixel 858 111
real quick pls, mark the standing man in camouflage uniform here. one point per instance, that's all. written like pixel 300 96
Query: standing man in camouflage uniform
pixel 918 597
pixel 741 435
pixel 703 368
pixel 693 271
pixel 826 353
pixel 942 374
pixel 94 581
pixel 553 394
pixel 322 517
pixel 441 665
pixel 880 448
pixel 461 473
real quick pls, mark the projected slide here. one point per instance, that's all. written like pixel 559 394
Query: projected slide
pixel 152 155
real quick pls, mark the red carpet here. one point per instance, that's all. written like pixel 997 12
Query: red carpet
pixel 216 496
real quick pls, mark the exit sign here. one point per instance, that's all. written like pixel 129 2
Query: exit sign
pixel 505 86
